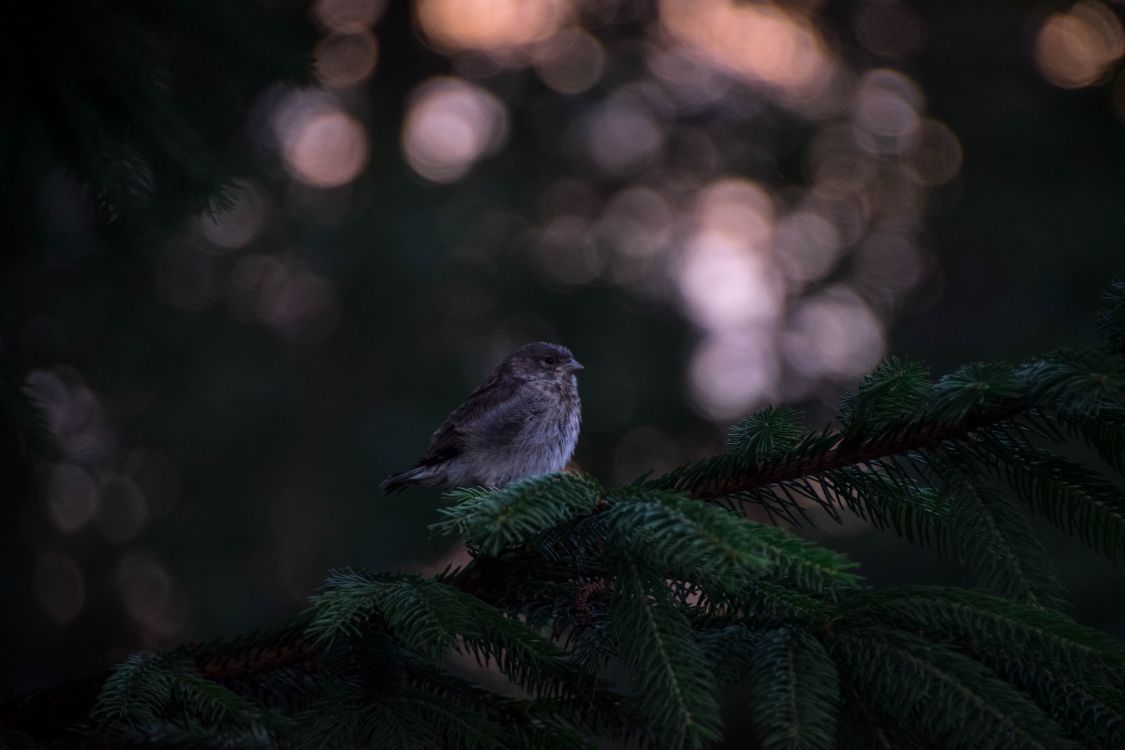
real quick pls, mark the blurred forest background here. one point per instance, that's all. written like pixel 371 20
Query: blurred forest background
pixel 717 205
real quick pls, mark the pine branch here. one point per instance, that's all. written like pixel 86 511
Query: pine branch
pixel 948 698
pixel 835 454
pixel 677 690
pixel 794 692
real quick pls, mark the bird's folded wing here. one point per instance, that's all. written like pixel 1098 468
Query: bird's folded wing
pixel 490 408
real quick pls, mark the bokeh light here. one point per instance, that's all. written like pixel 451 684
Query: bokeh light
pixel 238 224
pixel 886 112
pixel 726 275
pixel 733 371
pixel 760 42
pixel 566 252
pixel 807 246
pixel 151 597
pixel 348 16
pixel 570 62
pixel 346 59
pixel 834 334
pixel 494 26
pixel 1076 48
pixel 450 125
pixel 285 295
pixel 936 155
pixel 76 416
pixel 322 145
pixel 72 497
pixel 887 266
pixel 623 135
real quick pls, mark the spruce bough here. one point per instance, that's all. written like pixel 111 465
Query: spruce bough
pixel 634 613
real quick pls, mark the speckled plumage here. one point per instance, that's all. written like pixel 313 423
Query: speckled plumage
pixel 523 420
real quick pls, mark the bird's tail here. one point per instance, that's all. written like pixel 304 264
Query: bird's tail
pixel 398 482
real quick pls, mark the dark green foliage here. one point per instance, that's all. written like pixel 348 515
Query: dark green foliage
pixel 897 390
pixel 1112 319
pixel 999 545
pixel 629 615
pixel 974 388
pixel 148 693
pixel 432 618
pixel 986 624
pixel 793 691
pixel 675 684
pixel 494 520
pixel 765 435
pixel 802 565
pixel 704 543
pixel 135 693
pixel 118 94
pixel 1069 495
pixel 1094 714
pixel 939 693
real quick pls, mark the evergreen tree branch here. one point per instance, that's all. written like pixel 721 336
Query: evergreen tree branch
pixel 715 478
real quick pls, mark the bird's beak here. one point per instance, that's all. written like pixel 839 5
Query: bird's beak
pixel 573 365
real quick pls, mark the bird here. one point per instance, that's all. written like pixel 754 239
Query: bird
pixel 523 420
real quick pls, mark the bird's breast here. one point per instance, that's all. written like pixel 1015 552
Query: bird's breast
pixel 546 438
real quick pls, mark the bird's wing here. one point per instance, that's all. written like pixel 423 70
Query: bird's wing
pixel 495 400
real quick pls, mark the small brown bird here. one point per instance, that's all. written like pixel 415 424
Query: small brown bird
pixel 523 420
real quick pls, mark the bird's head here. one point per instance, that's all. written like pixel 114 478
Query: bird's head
pixel 543 361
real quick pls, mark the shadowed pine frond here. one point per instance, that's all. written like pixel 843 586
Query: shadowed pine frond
pixel 701 543
pixel 886 496
pixel 217 707
pixel 1071 496
pixel 1075 381
pixel 998 544
pixel 792 686
pixel 803 565
pixel 492 520
pixel 136 692
pixel 163 696
pixel 433 618
pixel 896 392
pixel 991 534
pixel 768 604
pixel 983 624
pixel 730 650
pixel 1111 320
pixel 341 719
pixel 973 387
pixel 1091 712
pixel 944 696
pixel 675 686
pixel 1103 432
pixel 793 691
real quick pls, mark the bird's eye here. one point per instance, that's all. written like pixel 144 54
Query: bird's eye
pixel 548 361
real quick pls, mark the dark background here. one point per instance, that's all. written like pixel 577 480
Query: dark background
pixel 715 208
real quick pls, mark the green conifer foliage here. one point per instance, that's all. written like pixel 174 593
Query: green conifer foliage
pixel 631 615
